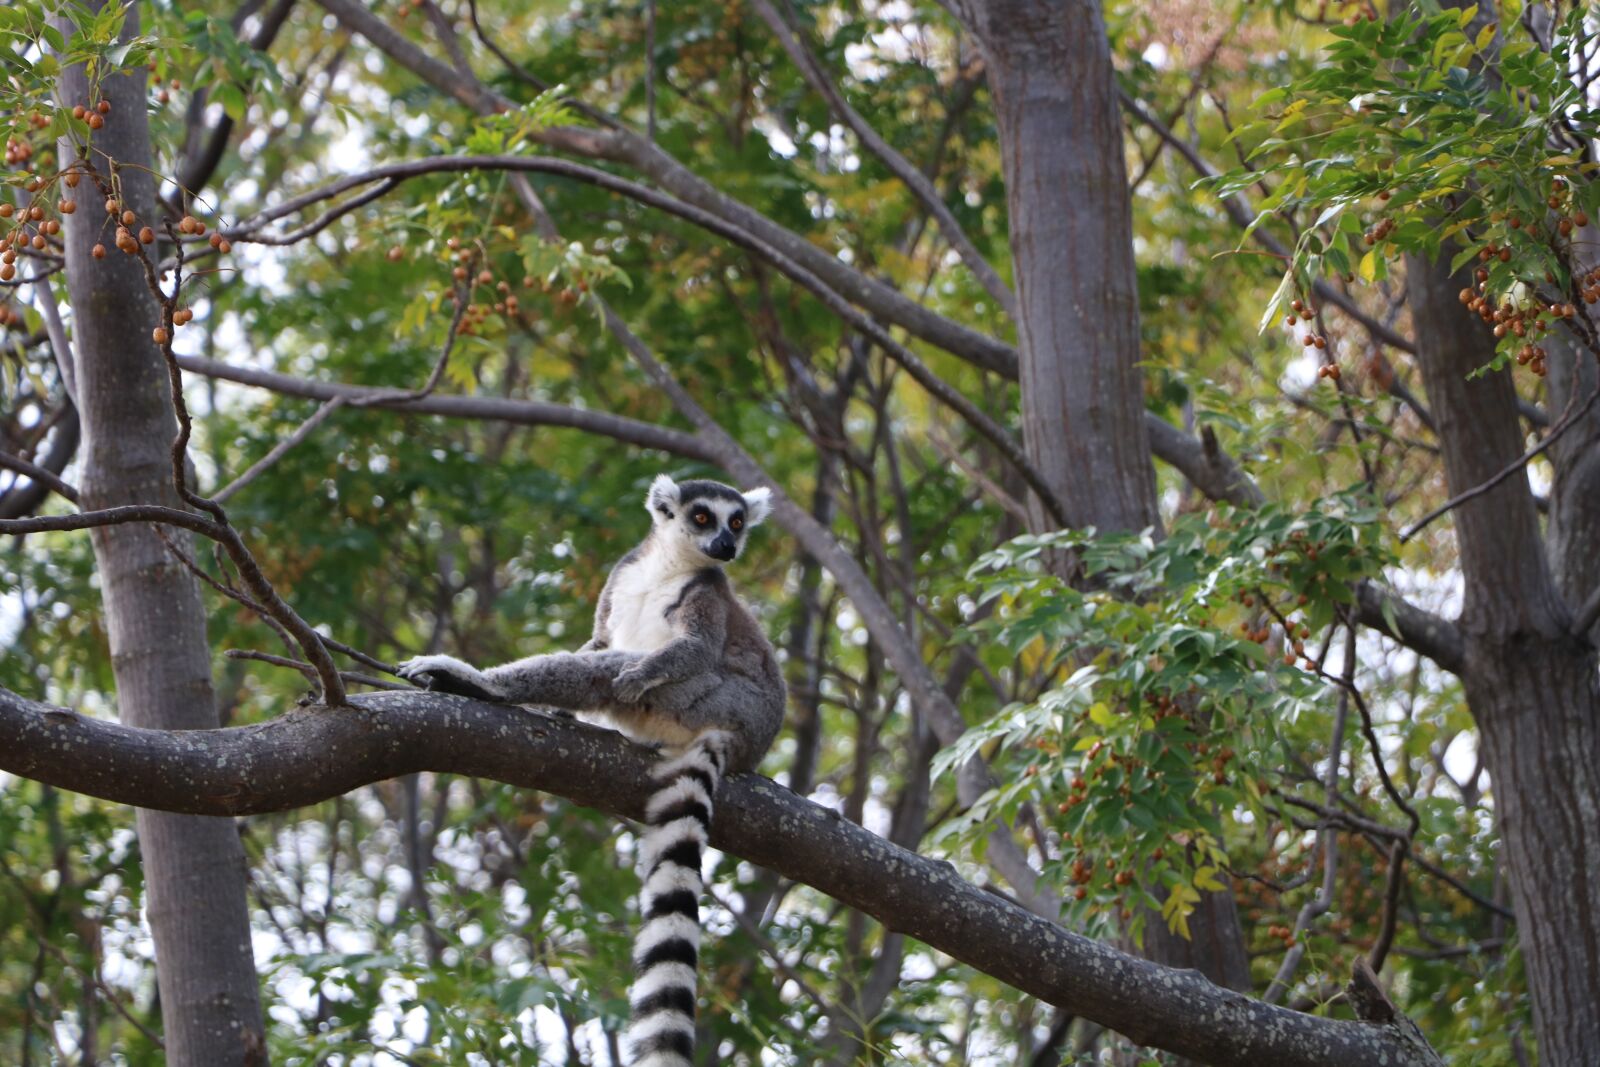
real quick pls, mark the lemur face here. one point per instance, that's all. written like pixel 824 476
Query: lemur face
pixel 707 517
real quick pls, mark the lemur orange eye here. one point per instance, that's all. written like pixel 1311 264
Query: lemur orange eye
pixel 701 518
pixel 736 524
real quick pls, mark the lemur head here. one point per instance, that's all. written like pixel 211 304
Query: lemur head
pixel 705 517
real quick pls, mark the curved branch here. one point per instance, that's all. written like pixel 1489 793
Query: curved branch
pixel 913 179
pixel 390 175
pixel 620 145
pixel 46 474
pixel 518 412
pixel 264 768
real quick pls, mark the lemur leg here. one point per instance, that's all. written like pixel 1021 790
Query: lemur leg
pixel 731 703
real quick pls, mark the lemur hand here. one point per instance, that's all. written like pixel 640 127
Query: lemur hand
pixel 632 683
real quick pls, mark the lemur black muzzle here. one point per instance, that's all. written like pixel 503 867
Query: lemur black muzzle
pixel 723 548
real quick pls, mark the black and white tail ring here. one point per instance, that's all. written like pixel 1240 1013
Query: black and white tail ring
pixel 667 950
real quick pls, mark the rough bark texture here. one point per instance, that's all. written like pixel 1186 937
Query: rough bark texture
pixel 1530 682
pixel 1049 70
pixel 265 768
pixel 1084 422
pixel 194 866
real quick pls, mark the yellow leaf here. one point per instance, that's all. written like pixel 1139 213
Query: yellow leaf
pixel 1485 35
pixel 1206 878
pixel 1101 715
pixel 1369 265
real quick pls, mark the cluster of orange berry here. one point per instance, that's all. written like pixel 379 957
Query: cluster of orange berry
pixel 94 115
pixel 1511 320
pixel 10 316
pixel 33 226
pixel 1294 633
pixel 1282 933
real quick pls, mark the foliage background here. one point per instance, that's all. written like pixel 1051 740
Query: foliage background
pixel 438 920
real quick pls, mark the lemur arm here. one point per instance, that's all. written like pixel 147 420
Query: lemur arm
pixel 700 618
pixel 602 619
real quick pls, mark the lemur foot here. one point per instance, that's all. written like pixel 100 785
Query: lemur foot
pixel 446 674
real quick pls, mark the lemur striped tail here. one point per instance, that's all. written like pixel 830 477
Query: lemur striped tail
pixel 666 951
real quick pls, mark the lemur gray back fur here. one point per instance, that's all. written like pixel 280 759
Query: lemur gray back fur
pixel 676 659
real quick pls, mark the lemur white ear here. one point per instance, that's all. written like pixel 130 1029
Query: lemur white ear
pixel 662 500
pixel 757 505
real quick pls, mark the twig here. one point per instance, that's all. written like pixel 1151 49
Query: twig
pixel 250 572
pixel 902 168
pixel 311 672
pixel 1327 839
pixel 401 396
pixel 1562 425
pixel 93 974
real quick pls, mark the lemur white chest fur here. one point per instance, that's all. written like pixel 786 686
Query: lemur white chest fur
pixel 641 595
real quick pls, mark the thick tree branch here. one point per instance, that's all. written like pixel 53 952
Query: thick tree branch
pixel 1202 461
pixel 264 768
pixel 1421 631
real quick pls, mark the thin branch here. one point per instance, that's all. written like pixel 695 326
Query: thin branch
pixel 1327 841
pixel 1571 418
pixel 279 450
pixel 914 180
pixel 38 474
pixel 115 516
pixel 390 174
pixel 244 561
pixel 516 412
pixel 311 672
pixel 262 767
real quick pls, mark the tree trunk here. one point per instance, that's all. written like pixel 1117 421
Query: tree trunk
pixel 1071 226
pixel 1530 682
pixel 1049 71
pixel 194 866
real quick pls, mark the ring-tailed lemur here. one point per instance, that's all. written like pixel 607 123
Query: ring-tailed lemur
pixel 675 659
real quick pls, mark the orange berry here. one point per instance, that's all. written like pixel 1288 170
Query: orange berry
pixel 104 107
pixel 99 252
pixel 95 122
pixel 159 335
pixel 128 218
pixel 147 236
